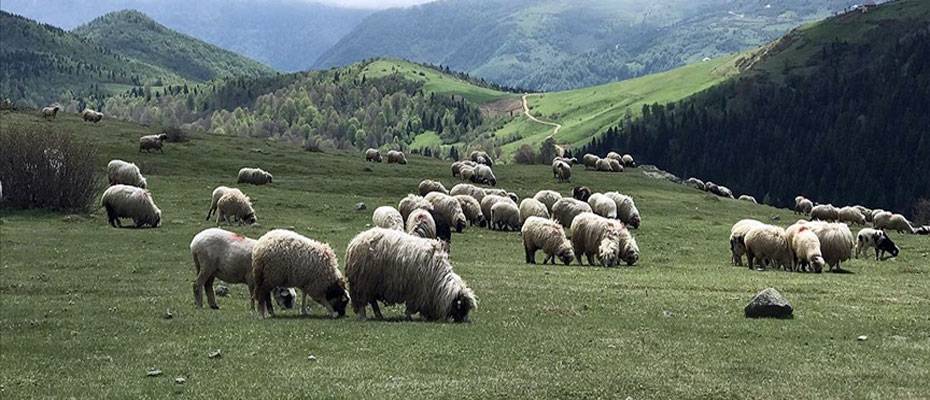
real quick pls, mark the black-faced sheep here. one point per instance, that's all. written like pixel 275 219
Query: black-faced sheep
pixel 548 236
pixel 235 204
pixel 428 186
pixel 876 239
pixel 548 198
pixel 396 268
pixel 387 217
pixel 472 210
pixel 768 244
pixel 532 208
pixel 125 173
pixel 124 201
pixel 565 210
pixel 505 216
pixel 373 155
pixel 396 157
pixel 606 239
pixel 581 193
pixel 152 142
pixel 737 238
pixel 254 176
pixel 50 112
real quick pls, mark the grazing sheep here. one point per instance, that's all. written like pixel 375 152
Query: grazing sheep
pixel 615 166
pixel 695 183
pixel 876 239
pixel 505 216
pixel 447 211
pixel 603 165
pixel 561 171
pixel 626 209
pixel 489 201
pixel 805 207
pixel 581 193
pixel 851 215
pixel 724 191
pixel 472 210
pixel 387 217
pixel 215 198
pixel 746 197
pixel 768 244
pixel 458 165
pixel 836 242
pixel 590 161
pixel 609 240
pixel 89 115
pixel 923 230
pixel 373 155
pixel 614 156
pixel 895 222
pixel 288 259
pixel 531 207
pixel 254 176
pixel 867 213
pixel 468 190
pixel 501 193
pixel 548 198
pixel 396 157
pixel 125 201
pixel 825 212
pixel 420 223
pixel 467 173
pixel 737 238
pixel 396 268
pixel 711 187
pixel 222 254
pixel 120 172
pixel 565 210
pixel 481 157
pixel 428 186
pixel 570 161
pixel 50 112
pixel 806 247
pixel 603 205
pixel 546 235
pixel 412 202
pixel 484 174
pixel 152 142
pixel 235 204
pixel 628 161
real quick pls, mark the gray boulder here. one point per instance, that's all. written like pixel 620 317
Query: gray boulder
pixel 769 304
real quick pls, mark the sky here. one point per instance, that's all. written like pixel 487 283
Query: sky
pixel 372 4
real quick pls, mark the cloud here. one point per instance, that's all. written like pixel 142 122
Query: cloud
pixel 372 4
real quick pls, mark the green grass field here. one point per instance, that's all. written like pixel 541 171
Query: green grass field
pixel 82 304
pixel 434 81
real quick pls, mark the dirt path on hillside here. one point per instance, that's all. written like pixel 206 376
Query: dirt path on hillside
pixel 526 110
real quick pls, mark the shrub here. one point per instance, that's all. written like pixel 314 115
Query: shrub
pixel 44 169
pixel 525 155
pixel 177 135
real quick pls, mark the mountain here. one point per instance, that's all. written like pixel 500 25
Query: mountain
pixel 834 111
pixel 288 35
pixel 562 44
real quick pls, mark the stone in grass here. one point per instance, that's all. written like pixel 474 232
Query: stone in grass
pixel 769 304
pixel 168 314
pixel 215 354
pixel 311 358
pixel 360 206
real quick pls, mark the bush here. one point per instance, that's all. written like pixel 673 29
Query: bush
pixel 43 169
pixel 525 155
pixel 177 135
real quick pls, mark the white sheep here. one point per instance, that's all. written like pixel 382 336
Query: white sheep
pixel 806 247
pixel 447 211
pixel 836 242
pixel 503 193
pixel 737 238
pixel 218 253
pixel 626 209
pixel 50 112
pixel 428 186
pixel 467 189
pixel 472 210
pixel 565 210
pixel 866 212
pixel 396 268
pixel 603 205
pixel 484 174
pixel 561 171
pixel 768 244
pixel 825 212
pixel 89 115
pixel 373 155
pixel 490 200
pixel 614 156
pixel 895 222
pixel 467 173
pixel 615 166
pixel 481 157
pixel 396 157
pixel 805 206
pixel 850 215
pixel 695 183
pixel 235 204
pixel 505 216
pixel 152 142
pixel 746 197
pixel 125 173
pixel 590 161
pixel 628 161
pixel 546 235
pixel 254 176
pixel 531 207
pixel 125 201
pixel 724 191
pixel 458 165
pixel 218 192
pixel 876 239
pixel 607 239
pixel 548 198
pixel 421 223
pixel 287 259
pixel 412 202
pixel 387 217
pixel 603 165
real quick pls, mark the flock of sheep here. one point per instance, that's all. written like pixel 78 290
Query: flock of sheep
pixel 88 115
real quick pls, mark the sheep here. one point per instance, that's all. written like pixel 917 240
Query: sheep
pixel 152 142
pixel 89 115
pixel 387 217
pixel 50 112
pixel 626 209
pixel 877 240
pixel 590 161
pixel 565 210
pixel 603 205
pixel 254 176
pixel 548 198
pixel 875 213
pixel 481 157
pixel 235 204
pixel 467 190
pixel 544 234
pixel 695 183
pixel 628 161
pixel 472 210
pixel 397 268
pixel 581 193
pixel 805 207
pixel 458 165
pixel 746 197
pixel 615 166
pixel 825 212
pixel 603 165
pixel 768 244
pixel 850 215
pixel 489 201
pixel 724 191
pixel 737 239
pixel 215 198
pixel 420 223
pixel 867 213
pixel 467 173
pixel 125 201
pixel 218 253
pixel 427 186
pixel 484 174
pixel 412 202
pixel 287 259
pixel 896 222
pixel 836 242
pixel 806 247
pixel 448 211
pixel 505 216
pixel 570 161
pixel 125 173
pixel 396 157
pixel 711 187
pixel 561 171
pixel 502 193
pixel 373 155
pixel 607 239
pixel 614 156
pixel 531 207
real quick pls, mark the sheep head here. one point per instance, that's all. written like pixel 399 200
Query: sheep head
pixel 566 253
pixel 338 298
pixel 285 297
pixel 462 304
pixel 817 263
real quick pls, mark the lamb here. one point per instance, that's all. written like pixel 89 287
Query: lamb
pixel 125 201
pixel 387 217
pixel 581 193
pixel 609 240
pixel 804 206
pixel 481 157
pixel 546 235
pixel 50 112
pixel 285 258
pixel 603 165
pixel 467 190
pixel 626 209
pixel 564 211
pixel 615 166
pixel 505 216
pixel 896 222
pixel 531 207
pixel 152 142
pixel 746 197
pixel 737 238
pixel 548 198
pixel 561 171
pixel 396 268
pixel 836 243
pixel 850 215
pixel 590 161
pixel 825 212
pixel 447 211
pixel 254 176
pixel 125 173
pixel 420 223
pixel 603 205
pixel 218 253
pixel 877 240
pixel 695 183
pixel 472 210
pixel 412 202
pixel 215 198
pixel 806 247
pixel 396 157
pixel 235 204
pixel 484 174
pixel 768 244
pixel 628 161
pixel 458 165
pixel 373 155
pixel 489 201
pixel 427 186
pixel 89 115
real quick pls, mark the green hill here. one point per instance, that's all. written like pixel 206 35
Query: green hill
pixel 83 303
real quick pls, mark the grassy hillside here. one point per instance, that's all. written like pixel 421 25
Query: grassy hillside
pixel 82 303
pixel 434 81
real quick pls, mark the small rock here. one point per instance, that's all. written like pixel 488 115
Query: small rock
pixel 153 372
pixel 222 291
pixel 862 338
pixel 311 357
pixel 180 380
pixel 360 207
pixel 769 304
pixel 667 313
pixel 215 354
pixel 168 314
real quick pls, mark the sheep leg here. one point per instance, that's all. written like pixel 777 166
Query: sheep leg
pixel 211 295
pixel 376 309
pixel 590 258
pixel 359 311
pixel 549 258
pixel 876 254
pixel 304 307
pixel 530 256
pixel 749 259
pixel 198 292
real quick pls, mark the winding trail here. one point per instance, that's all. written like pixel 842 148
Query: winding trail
pixel 526 110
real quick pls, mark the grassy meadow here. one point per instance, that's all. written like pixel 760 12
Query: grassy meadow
pixel 82 304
